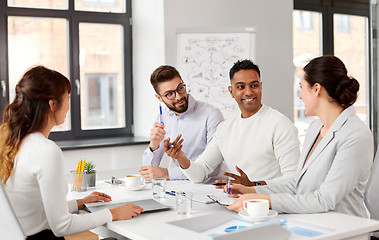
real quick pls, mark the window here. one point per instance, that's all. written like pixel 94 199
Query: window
pixel 92 47
pixel 306 46
pixel 341 29
pixel 342 23
pixel 303 20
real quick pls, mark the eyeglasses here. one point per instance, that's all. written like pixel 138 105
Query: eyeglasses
pixel 170 95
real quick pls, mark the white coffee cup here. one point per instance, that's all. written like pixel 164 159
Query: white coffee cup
pixel 256 207
pixel 133 180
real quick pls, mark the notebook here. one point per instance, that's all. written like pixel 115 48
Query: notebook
pixel 149 205
pixel 223 200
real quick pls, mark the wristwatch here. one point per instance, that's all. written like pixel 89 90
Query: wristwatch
pixel 257 183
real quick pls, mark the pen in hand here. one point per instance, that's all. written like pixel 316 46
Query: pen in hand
pixel 160 114
pixel 229 183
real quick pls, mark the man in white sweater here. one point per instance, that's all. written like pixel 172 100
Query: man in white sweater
pixel 261 143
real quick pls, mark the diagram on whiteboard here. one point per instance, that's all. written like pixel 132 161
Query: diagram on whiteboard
pixel 204 61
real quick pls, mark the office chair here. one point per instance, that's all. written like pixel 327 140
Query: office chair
pixel 371 196
pixel 10 228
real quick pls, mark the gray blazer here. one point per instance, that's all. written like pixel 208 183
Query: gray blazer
pixel 335 176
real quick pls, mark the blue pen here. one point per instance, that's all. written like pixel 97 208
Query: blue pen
pixel 160 114
pixel 229 183
pixel 170 146
pixel 172 193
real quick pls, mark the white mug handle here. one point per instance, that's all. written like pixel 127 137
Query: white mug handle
pixel 244 204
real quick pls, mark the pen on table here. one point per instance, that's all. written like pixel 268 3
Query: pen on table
pixel 160 114
pixel 172 193
pixel 229 183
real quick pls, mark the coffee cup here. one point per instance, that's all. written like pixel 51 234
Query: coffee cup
pixel 256 207
pixel 133 180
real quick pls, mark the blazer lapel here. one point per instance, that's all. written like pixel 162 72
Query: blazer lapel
pixel 336 126
pixel 310 138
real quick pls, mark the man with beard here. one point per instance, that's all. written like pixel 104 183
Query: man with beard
pixel 195 121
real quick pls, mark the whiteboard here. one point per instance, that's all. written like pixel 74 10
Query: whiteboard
pixel 204 59
pixel 9 226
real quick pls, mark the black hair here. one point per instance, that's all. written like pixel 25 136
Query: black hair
pixel 243 65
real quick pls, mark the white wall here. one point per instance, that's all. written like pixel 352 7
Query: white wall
pixel 154 25
pixel 272 20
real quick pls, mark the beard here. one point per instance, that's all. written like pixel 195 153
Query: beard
pixel 179 109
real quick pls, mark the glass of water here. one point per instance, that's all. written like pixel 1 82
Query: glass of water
pixel 159 187
pixel 183 202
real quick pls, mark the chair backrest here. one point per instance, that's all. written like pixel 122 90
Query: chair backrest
pixel 9 226
pixel 372 190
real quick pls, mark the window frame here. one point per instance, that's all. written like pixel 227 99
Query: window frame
pixel 74 18
pixel 328 8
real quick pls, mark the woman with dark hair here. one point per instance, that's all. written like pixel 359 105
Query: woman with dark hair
pixel 337 154
pixel 31 165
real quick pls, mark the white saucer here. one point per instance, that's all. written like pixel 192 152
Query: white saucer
pixel 271 214
pixel 136 188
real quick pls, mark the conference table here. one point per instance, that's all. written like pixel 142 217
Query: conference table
pixel 154 225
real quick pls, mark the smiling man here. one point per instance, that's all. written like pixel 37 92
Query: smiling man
pixel 260 143
pixel 195 121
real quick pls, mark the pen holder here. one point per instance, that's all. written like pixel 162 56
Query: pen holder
pixel 79 181
pixel 91 179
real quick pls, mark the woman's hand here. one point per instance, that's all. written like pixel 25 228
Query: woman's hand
pixel 237 189
pixel 93 197
pixel 238 204
pixel 126 211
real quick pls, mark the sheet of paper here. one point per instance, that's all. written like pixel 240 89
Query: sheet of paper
pixel 307 230
pixel 235 224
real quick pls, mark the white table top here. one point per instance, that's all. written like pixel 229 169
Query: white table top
pixel 152 225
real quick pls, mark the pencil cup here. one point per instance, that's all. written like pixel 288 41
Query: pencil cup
pixel 79 181
pixel 159 187
pixel 183 202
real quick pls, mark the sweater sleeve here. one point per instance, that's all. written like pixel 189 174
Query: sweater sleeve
pixel 286 150
pixel 50 178
pixel 72 206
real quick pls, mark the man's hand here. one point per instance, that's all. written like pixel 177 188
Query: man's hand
pixel 174 150
pixel 150 172
pixel 157 134
pixel 242 179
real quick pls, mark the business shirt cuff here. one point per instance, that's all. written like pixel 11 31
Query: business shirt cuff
pixel 175 173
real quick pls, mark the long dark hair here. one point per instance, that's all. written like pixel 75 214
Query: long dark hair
pixel 29 111
pixel 330 72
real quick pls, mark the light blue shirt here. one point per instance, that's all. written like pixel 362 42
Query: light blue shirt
pixel 197 126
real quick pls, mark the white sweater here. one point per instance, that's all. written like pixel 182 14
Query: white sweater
pixel 37 191
pixel 265 146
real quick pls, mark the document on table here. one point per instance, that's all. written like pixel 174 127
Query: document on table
pixel 309 230
pixel 201 191
pixel 233 225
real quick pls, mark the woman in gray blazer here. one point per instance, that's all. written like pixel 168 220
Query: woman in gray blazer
pixel 338 149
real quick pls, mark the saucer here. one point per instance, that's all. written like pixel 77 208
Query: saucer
pixel 271 214
pixel 135 188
